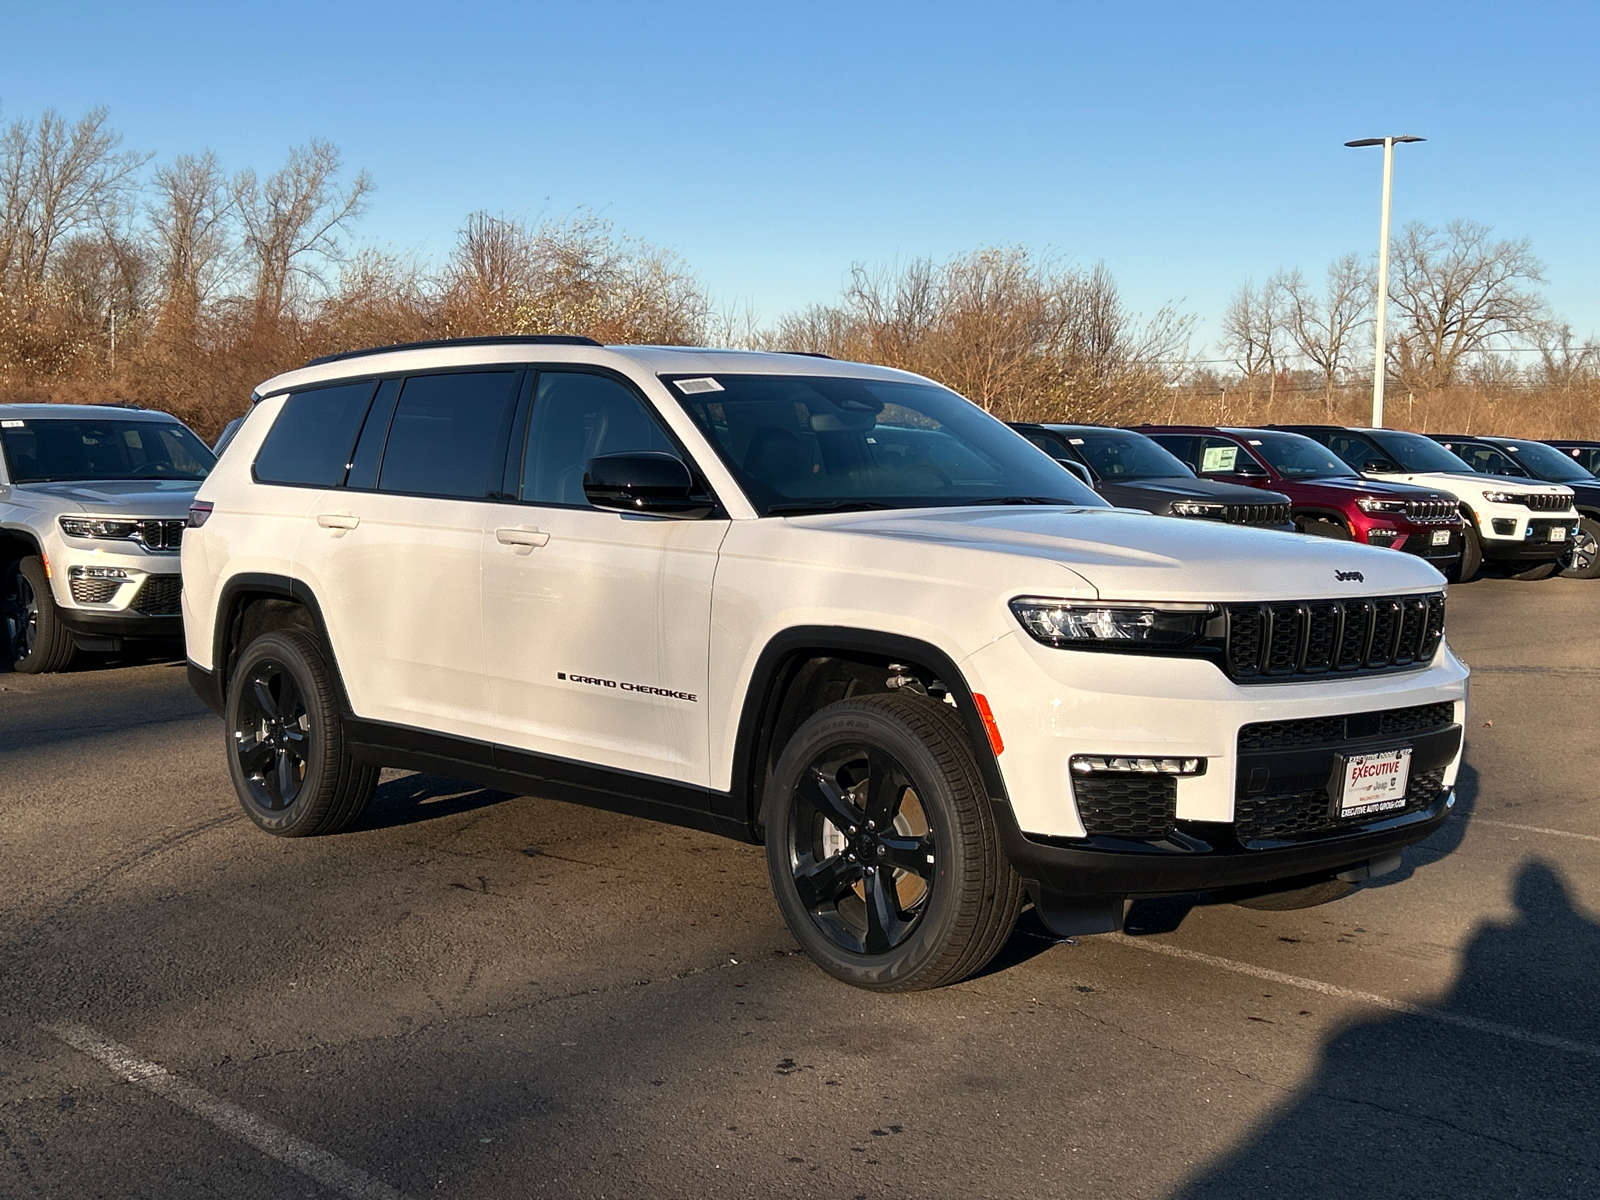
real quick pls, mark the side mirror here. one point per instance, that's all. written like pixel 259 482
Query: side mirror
pixel 656 484
pixel 1374 466
pixel 1247 468
pixel 1078 469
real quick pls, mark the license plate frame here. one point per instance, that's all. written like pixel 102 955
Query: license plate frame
pixel 1558 533
pixel 1441 537
pixel 1370 783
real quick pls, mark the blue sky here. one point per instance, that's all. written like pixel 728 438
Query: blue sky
pixel 1189 146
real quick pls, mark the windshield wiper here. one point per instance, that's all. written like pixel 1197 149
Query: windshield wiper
pixel 1018 500
pixel 801 507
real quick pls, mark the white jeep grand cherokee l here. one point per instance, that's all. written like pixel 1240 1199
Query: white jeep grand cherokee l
pixel 93 504
pixel 831 607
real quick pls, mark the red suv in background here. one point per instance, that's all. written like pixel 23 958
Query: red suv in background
pixel 1328 498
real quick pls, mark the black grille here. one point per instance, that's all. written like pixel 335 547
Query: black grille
pixel 1431 510
pixel 1257 514
pixel 1330 731
pixel 159 596
pixel 162 535
pixel 1126 805
pixel 1307 812
pixel 94 591
pixel 1274 641
pixel 1539 502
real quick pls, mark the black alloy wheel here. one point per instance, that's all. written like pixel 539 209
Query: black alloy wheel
pixel 271 735
pixel 36 641
pixel 860 848
pixel 1583 561
pixel 884 856
pixel 285 733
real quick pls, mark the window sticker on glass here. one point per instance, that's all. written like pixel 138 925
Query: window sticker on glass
pixel 1219 458
pixel 1076 441
pixel 19 424
pixel 693 387
pixel 1254 442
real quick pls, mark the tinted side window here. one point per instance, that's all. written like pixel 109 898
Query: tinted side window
pixel 1358 452
pixel 1485 459
pixel 445 434
pixel 576 417
pixel 311 440
pixel 1181 446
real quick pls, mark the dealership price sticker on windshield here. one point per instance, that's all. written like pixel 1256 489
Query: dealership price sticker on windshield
pixel 1374 782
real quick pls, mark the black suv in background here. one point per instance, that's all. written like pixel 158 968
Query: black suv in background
pixel 1519 458
pixel 1132 471
pixel 1585 454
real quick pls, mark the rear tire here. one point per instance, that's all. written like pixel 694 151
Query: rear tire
pixel 927 903
pixel 1471 560
pixel 286 740
pixel 37 643
pixel 1584 561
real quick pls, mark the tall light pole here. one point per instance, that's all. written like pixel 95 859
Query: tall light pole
pixel 1388 144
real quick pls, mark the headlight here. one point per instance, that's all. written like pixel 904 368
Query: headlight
pixel 98 527
pixel 1125 625
pixel 1197 508
pixel 1499 498
pixel 1372 504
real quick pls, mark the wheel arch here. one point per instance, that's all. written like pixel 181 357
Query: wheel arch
pixel 1320 513
pixel 789 682
pixel 17 543
pixel 253 603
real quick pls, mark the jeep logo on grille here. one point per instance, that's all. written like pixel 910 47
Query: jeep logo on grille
pixel 1347 576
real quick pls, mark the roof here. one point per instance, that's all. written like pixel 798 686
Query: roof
pixel 653 360
pixel 45 412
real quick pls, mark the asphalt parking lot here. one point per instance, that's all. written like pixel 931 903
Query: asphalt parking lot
pixel 480 995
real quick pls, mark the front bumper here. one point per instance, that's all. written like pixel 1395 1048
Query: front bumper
pixel 116 589
pixel 1510 533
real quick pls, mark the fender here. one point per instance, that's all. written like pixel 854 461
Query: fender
pixel 212 686
pixel 745 795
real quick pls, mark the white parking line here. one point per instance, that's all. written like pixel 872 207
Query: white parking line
pixel 1582 837
pixel 311 1161
pixel 1442 1015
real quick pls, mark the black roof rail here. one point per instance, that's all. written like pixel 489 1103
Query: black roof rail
pixel 808 353
pixel 528 339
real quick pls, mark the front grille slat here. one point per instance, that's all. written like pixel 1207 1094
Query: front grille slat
pixel 1541 503
pixel 1305 813
pixel 162 535
pixel 1126 805
pixel 1330 731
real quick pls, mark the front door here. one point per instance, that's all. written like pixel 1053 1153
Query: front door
pixel 597 624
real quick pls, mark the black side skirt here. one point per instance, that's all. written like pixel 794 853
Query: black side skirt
pixel 525 773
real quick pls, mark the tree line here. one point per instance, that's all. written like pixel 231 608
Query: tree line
pixel 179 285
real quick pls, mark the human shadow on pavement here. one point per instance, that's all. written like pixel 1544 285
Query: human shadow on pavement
pixel 423 797
pixel 1164 914
pixel 1436 1104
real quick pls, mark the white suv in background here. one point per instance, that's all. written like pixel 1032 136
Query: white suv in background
pixel 832 607
pixel 1527 528
pixel 93 504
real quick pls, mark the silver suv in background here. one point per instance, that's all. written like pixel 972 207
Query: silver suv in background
pixel 93 502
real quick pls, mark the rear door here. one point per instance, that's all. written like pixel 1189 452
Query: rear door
pixel 394 556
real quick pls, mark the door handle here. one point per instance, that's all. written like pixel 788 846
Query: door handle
pixel 521 536
pixel 338 521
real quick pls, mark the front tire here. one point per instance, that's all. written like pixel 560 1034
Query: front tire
pixel 1584 561
pixel 1471 560
pixel 286 741
pixel 884 856
pixel 36 640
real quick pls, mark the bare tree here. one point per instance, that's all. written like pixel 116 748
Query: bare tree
pixel 293 224
pixel 1253 332
pixel 190 230
pixel 56 180
pixel 1460 294
pixel 1324 327
pixel 1563 362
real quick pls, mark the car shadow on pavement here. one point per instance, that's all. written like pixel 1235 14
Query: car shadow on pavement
pixel 1164 914
pixel 1452 1102
pixel 423 797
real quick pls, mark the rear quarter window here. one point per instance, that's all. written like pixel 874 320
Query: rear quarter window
pixel 445 437
pixel 310 443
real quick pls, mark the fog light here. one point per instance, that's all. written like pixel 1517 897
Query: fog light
pixel 1095 764
pixel 96 573
pixel 1382 537
pixel 1504 526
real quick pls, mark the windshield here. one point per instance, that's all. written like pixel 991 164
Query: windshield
pixel 1119 454
pixel 1547 463
pixel 808 444
pixel 52 449
pixel 1417 454
pixel 1295 457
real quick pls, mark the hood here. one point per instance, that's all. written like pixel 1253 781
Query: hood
pixel 1365 486
pixel 1474 484
pixel 1128 555
pixel 1178 487
pixel 120 497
